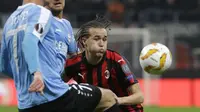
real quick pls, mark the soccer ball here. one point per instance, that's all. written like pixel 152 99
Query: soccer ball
pixel 155 58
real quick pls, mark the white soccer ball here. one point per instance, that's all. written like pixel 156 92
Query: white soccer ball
pixel 155 58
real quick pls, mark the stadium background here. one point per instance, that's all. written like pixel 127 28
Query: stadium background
pixel 136 23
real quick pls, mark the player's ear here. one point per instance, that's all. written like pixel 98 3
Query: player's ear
pixel 84 41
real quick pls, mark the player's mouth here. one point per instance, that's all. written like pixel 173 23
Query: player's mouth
pixel 101 51
pixel 58 4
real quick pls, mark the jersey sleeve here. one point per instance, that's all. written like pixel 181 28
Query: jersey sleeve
pixel 72 45
pixel 5 67
pixel 125 71
pixel 38 24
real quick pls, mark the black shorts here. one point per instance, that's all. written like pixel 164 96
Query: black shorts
pixel 80 98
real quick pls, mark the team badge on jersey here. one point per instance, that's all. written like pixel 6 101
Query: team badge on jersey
pixel 38 30
pixel 107 74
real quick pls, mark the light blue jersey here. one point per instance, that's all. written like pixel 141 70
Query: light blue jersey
pixel 65 42
pixel 28 45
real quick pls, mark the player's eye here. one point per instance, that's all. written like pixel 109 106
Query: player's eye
pixel 96 38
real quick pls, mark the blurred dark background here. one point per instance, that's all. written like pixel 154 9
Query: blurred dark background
pixel 123 12
pixel 159 16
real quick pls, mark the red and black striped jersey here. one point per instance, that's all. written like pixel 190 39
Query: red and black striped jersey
pixel 112 72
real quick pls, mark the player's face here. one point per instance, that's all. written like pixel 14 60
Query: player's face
pixel 96 44
pixel 56 5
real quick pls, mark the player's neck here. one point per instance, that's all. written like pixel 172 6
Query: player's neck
pixel 93 60
pixel 58 15
pixel 38 2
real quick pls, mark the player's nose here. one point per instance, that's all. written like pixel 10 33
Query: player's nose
pixel 101 43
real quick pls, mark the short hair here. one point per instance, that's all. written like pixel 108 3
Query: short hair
pixel 83 32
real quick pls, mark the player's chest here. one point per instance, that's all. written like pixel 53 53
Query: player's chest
pixel 62 36
pixel 98 76
pixel 62 32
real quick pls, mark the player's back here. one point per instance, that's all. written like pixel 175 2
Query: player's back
pixel 13 36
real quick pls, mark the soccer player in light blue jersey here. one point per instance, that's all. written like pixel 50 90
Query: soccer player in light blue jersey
pixel 28 55
pixel 32 51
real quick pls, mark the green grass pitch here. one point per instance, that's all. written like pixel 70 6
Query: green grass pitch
pixel 147 109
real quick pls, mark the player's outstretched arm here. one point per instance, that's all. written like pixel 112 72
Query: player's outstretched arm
pixel 131 83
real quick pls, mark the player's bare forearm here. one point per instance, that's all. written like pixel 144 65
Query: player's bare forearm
pixel 136 97
pixel 131 100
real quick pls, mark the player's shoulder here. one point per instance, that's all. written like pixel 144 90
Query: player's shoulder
pixel 74 60
pixel 116 57
pixel 36 10
pixel 44 11
pixel 43 8
pixel 40 14
pixel 67 22
pixel 113 55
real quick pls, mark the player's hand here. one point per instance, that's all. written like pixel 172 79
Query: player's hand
pixel 37 85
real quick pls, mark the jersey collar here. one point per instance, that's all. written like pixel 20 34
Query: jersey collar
pixel 58 19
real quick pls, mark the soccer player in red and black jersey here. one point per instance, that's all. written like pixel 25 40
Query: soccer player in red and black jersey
pixel 104 68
